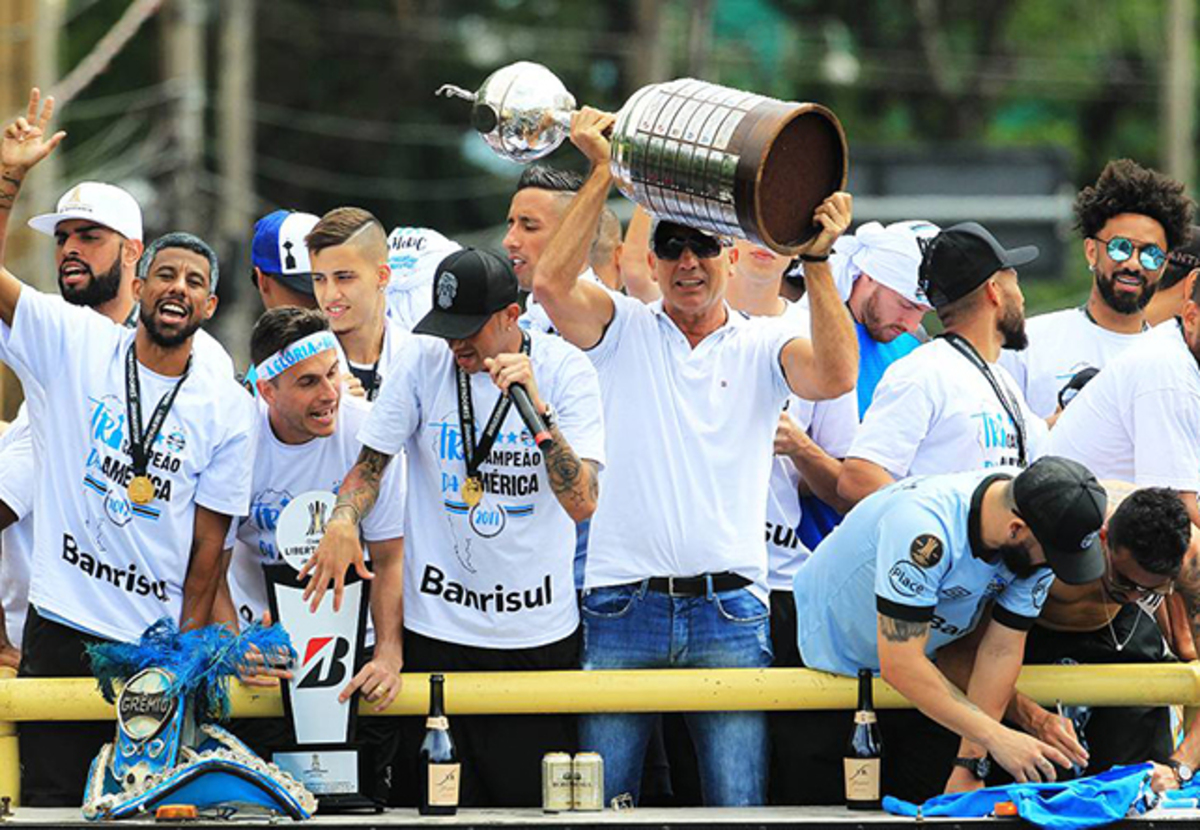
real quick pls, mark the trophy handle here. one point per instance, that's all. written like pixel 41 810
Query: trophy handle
pixel 452 91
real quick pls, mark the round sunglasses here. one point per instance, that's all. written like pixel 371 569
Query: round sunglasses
pixel 1119 248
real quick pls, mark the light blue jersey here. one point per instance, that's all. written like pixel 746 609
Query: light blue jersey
pixel 906 552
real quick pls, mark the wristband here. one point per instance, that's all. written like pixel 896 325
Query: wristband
pixel 814 257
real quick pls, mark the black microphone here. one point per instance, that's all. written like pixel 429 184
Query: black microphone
pixel 533 421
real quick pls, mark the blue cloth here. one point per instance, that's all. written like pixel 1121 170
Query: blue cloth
pixel 1067 805
pixel 818 519
pixel 904 551
pixel 631 627
pixel 873 358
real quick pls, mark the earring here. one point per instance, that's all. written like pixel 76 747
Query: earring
pixel 1013 534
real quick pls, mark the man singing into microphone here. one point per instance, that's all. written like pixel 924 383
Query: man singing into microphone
pixel 488 580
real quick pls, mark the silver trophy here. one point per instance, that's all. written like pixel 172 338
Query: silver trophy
pixel 704 155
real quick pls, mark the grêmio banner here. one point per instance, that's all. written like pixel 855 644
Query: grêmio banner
pixel 330 651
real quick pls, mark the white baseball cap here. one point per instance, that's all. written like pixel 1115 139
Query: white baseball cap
pixel 104 204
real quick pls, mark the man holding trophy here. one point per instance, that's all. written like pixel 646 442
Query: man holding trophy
pixel 693 389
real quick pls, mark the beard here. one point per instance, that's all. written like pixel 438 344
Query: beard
pixel 165 339
pixel 98 290
pixel 873 322
pixel 1012 329
pixel 1124 303
pixel 1016 559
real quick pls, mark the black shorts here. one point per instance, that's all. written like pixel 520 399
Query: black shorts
pixel 501 755
pixel 55 756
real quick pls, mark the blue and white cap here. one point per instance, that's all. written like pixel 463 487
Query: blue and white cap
pixel 279 249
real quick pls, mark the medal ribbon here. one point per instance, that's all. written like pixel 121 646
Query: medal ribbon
pixel 475 454
pixel 139 441
pixel 1007 402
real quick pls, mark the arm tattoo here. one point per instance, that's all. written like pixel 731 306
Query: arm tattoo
pixel 10 186
pixel 958 695
pixel 359 491
pixel 901 631
pixel 1188 583
pixel 574 481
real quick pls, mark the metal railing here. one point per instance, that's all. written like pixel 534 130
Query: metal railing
pixel 674 690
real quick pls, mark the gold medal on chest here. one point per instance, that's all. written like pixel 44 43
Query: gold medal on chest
pixel 472 491
pixel 141 490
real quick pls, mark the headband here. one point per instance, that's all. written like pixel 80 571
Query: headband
pixel 293 353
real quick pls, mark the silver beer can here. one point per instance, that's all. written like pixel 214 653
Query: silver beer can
pixel 589 782
pixel 558 780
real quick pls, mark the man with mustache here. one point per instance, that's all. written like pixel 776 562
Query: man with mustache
pixel 1138 420
pixel 1130 219
pixel 143 446
pixel 949 406
pixel 910 570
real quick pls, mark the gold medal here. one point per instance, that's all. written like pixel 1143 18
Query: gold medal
pixel 472 491
pixel 141 490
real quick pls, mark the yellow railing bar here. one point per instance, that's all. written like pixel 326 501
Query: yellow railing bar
pixel 675 690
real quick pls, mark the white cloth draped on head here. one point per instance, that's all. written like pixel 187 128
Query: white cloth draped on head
pixel 890 255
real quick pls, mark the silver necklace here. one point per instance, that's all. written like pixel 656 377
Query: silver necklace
pixel 1133 630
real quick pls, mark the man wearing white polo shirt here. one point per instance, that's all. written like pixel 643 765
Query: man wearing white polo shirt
pixel 692 392
pixel 1138 420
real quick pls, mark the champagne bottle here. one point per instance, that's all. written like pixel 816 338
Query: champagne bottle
pixel 440 770
pixel 864 751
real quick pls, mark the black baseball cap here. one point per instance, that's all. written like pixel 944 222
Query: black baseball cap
pixel 469 286
pixel 1064 506
pixel 961 258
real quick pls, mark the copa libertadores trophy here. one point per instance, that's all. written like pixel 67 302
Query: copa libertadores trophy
pixel 726 161
pixel 329 647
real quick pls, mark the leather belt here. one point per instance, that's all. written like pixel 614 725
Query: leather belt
pixel 696 586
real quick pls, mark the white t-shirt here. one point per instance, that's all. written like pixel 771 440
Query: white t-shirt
pixel 693 431
pixel 285 471
pixel 1061 344
pixel 500 574
pixel 395 337
pixel 1139 419
pixel 831 425
pixel 18 478
pixel 934 412
pixel 102 563
pixel 413 256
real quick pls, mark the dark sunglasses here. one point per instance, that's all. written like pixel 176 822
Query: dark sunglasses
pixel 673 245
pixel 1127 586
pixel 1151 257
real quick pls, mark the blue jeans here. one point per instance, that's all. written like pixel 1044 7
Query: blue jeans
pixel 631 627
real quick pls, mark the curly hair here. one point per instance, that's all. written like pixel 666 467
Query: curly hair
pixel 1125 186
pixel 1153 525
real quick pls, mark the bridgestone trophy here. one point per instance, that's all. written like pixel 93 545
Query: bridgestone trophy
pixel 728 162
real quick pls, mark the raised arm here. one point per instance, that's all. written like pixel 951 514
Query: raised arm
pixel 22 146
pixel 635 259
pixel 826 366
pixel 581 311
pixel 341 547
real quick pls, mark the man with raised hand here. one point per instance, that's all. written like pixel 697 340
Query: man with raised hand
pixel 491 508
pixel 307 439
pixel 136 488
pixel 1130 220
pixel 694 392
